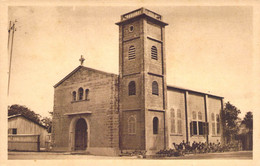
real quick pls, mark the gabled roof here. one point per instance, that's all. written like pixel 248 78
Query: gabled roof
pixel 185 89
pixel 20 115
pixel 77 69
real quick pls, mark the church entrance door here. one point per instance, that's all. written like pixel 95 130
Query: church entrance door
pixel 81 135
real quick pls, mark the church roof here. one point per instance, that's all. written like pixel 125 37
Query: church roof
pixel 77 69
pixel 194 91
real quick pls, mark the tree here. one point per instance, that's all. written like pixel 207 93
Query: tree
pixel 47 122
pixel 230 121
pixel 248 120
pixel 19 109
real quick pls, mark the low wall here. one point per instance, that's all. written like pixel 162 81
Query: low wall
pixel 24 142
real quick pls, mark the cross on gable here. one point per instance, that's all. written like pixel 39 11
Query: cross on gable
pixel 81 60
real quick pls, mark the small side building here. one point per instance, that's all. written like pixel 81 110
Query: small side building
pixel 23 134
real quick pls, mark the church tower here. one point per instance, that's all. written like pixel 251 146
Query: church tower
pixel 142 81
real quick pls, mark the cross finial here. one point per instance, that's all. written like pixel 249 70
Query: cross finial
pixel 81 60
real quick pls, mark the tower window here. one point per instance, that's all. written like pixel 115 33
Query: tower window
pixel 131 53
pixel 86 94
pixel 131 88
pixel 155 125
pixel 80 92
pixel 155 90
pixel 131 125
pixel 74 95
pixel 131 28
pixel 154 53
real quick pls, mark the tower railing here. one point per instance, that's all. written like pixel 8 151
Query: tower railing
pixel 139 12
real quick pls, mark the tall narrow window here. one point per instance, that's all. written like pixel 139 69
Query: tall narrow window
pixel 131 125
pixel 193 127
pixel 131 88
pixel 193 115
pixel 74 95
pixel 154 53
pixel 218 124
pixel 199 116
pixel 86 94
pixel 131 53
pixel 155 90
pixel 172 111
pixel 201 128
pixel 179 123
pixel 80 92
pixel 213 124
pixel 155 125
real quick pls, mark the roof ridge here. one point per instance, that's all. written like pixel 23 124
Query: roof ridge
pixel 76 69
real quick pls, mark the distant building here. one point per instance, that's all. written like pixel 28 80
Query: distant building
pixel 104 113
pixel 23 132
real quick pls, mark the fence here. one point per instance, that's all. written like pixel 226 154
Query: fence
pixel 24 142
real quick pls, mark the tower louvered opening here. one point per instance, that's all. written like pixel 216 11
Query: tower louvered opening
pixel 131 53
pixel 154 53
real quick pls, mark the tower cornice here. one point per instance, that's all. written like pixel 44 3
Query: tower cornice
pixel 141 13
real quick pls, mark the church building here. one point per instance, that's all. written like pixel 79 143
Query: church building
pixel 106 114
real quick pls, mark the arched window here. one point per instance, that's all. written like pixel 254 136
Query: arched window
pixel 74 95
pixel 131 88
pixel 172 111
pixel 86 94
pixel 199 115
pixel 155 90
pixel 131 125
pixel 155 125
pixel 154 53
pixel 193 115
pixel 131 52
pixel 80 92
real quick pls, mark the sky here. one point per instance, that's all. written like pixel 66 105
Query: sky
pixel 209 49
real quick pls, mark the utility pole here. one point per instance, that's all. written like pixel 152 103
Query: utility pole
pixel 9 30
pixel 13 29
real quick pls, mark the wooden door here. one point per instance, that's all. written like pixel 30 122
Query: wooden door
pixel 81 135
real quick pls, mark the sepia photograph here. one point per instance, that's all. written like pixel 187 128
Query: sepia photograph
pixel 130 82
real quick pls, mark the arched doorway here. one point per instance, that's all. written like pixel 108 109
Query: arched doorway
pixel 81 134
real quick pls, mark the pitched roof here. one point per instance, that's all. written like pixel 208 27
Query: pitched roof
pixel 185 89
pixel 77 69
pixel 21 115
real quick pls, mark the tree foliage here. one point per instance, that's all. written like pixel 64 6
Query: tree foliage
pixel 19 109
pixel 230 121
pixel 47 122
pixel 248 120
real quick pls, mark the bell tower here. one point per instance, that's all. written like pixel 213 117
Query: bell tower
pixel 142 89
